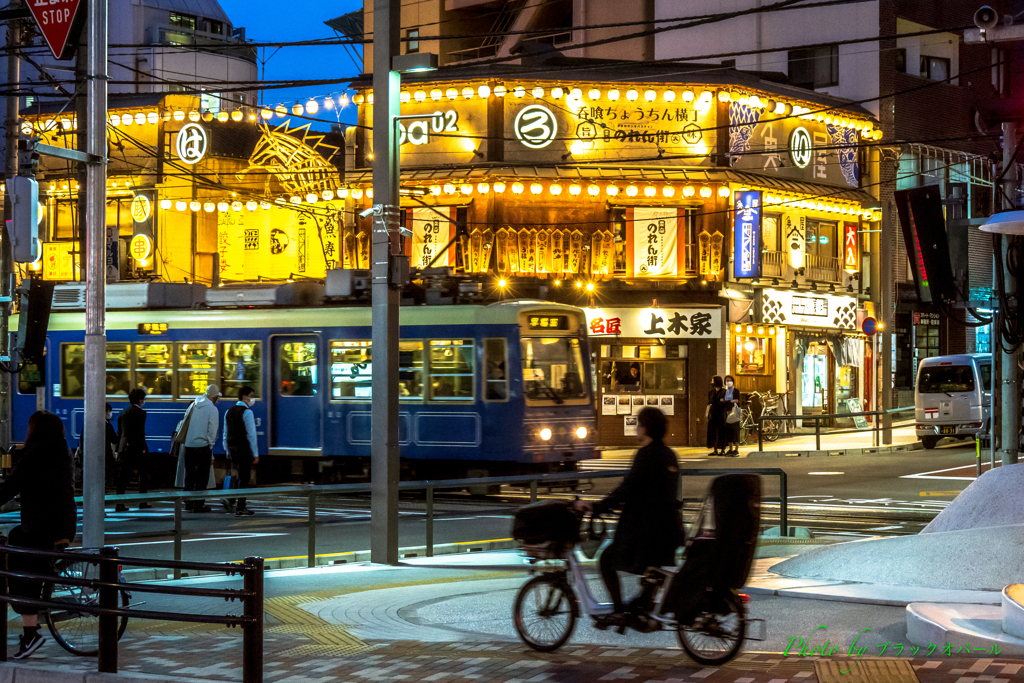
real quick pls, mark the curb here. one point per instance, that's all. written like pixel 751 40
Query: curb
pixel 28 673
pixel 332 559
pixel 880 450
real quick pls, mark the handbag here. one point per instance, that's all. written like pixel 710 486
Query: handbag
pixel 181 432
pixel 735 415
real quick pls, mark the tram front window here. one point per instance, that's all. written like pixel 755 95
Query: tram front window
pixel 553 368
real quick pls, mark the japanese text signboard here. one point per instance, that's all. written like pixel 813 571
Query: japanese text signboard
pixel 851 254
pixel 431 233
pixel 58 21
pixel 747 234
pixel 808 309
pixel 659 323
pixel 655 232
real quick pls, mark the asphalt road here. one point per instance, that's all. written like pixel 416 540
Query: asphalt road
pixel 853 495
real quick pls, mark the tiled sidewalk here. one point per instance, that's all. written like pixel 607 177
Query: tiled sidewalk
pixel 213 654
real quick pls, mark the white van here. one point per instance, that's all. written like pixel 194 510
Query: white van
pixel 953 397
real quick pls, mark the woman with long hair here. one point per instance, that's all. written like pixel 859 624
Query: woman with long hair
pixel 44 477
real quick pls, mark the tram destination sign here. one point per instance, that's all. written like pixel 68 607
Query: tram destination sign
pixel 59 21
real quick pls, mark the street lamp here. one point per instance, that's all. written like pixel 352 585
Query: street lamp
pixel 389 274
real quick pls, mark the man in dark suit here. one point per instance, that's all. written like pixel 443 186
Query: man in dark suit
pixel 132 451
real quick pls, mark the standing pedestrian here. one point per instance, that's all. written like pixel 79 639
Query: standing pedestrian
pixel 732 429
pixel 715 417
pixel 44 476
pixel 132 451
pixel 202 434
pixel 240 444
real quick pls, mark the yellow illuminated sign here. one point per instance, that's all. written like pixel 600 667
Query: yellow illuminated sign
pixel 141 208
pixel 152 328
pixel 141 247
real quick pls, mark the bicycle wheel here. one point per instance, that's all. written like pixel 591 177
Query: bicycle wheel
pixel 771 428
pixel 76 631
pixel 545 612
pixel 715 639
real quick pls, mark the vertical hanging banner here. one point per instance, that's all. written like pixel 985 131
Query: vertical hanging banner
pixel 747 234
pixel 557 252
pixel 655 234
pixel 794 237
pixel 543 251
pixel 851 251
pixel 527 251
pixel 430 233
pixel 574 255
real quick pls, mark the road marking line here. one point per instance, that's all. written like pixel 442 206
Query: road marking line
pixel 198 540
pixel 941 493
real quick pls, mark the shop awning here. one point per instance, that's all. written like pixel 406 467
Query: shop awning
pixel 626 174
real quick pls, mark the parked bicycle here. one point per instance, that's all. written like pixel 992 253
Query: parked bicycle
pixel 769 407
pixel 74 630
pixel 699 600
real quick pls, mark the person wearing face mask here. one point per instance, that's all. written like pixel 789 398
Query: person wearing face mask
pixel 730 398
pixel 240 444
pixel 716 417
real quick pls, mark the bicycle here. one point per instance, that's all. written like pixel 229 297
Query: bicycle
pixel 74 630
pixel 699 600
pixel 769 407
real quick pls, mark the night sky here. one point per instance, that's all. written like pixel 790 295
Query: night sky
pixel 266 22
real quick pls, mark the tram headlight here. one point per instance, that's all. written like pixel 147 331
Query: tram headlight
pixel 581 432
pixel 545 434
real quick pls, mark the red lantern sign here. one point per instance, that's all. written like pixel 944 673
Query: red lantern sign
pixel 851 254
pixel 58 20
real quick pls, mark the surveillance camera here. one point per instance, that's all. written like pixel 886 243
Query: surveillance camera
pixel 986 18
pixel 366 212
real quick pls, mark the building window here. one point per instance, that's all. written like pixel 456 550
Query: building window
pixel 183 20
pixel 901 60
pixel 751 356
pixel 413 40
pixel 821 239
pixel 216 27
pixel 816 67
pixel 934 68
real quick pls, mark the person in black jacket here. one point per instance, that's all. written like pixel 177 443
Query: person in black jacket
pixel 715 417
pixel 650 527
pixel 133 453
pixel 44 477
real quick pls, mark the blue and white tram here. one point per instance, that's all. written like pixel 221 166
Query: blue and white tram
pixel 497 389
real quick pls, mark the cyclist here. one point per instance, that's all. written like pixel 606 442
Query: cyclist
pixel 45 478
pixel 650 527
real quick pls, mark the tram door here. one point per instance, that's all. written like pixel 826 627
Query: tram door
pixel 295 393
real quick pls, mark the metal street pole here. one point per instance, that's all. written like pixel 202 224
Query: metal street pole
pixel 95 130
pixel 6 253
pixel 384 463
pixel 1009 386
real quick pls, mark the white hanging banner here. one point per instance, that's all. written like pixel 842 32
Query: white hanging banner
pixel 793 226
pixel 655 231
pixel 430 234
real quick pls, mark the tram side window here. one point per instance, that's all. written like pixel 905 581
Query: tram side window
pixel 197 368
pixel 410 369
pixel 119 370
pixel 153 368
pixel 242 367
pixel 496 385
pixel 72 371
pixel 297 371
pixel 351 369
pixel 451 369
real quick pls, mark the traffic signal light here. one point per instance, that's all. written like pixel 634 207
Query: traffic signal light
pixel 23 224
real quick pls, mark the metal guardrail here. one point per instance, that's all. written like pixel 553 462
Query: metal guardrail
pixel 312 492
pixel 875 427
pixel 109 588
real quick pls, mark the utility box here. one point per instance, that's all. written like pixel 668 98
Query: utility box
pixel 23 225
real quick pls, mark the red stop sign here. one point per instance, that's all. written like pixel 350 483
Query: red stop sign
pixel 56 19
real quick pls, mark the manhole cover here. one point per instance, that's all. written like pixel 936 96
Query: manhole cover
pixel 873 670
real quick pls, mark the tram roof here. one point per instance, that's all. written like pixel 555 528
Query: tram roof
pixel 504 312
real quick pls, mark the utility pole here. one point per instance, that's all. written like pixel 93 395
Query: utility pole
pixel 11 134
pixel 1009 386
pixel 95 130
pixel 384 462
